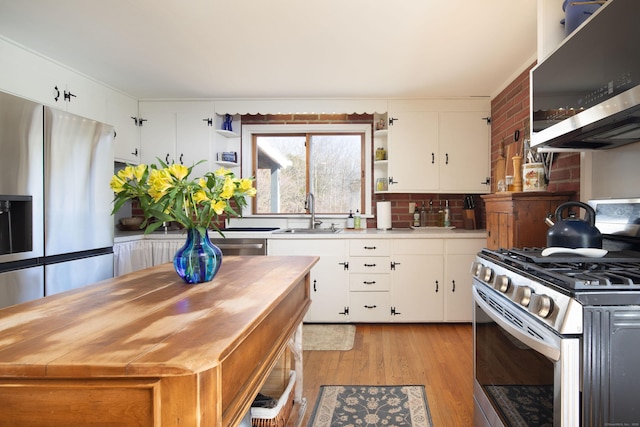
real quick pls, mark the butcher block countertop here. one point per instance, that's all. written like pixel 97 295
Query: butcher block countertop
pixel 145 349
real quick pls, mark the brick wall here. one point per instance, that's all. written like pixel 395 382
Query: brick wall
pixel 510 113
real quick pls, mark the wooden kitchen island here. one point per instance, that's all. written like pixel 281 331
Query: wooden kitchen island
pixel 145 349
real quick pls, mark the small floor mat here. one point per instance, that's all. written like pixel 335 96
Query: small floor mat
pixel 328 337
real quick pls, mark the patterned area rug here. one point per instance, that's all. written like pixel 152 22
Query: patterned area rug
pixel 371 406
pixel 524 405
pixel 328 337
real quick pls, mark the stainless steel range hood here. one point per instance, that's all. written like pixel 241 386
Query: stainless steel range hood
pixel 586 94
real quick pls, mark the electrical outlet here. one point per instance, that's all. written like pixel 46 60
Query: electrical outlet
pixel 412 207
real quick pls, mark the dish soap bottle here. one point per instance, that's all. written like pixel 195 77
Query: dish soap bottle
pixel 356 220
pixel 416 216
pixel 447 214
pixel 350 220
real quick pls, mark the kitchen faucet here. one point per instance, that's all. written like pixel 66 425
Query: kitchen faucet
pixel 310 205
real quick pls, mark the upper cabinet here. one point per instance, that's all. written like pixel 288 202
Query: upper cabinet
pixel 122 114
pixel 177 132
pixel 437 146
pixel 464 142
pixel 30 76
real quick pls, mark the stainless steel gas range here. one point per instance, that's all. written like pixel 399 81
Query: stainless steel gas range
pixel 557 338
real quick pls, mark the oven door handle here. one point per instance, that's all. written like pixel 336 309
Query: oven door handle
pixel 539 345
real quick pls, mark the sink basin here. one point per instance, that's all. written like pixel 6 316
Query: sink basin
pixel 309 231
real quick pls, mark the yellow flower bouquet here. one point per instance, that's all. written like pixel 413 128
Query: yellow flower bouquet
pixel 166 193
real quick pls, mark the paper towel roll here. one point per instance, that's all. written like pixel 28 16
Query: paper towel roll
pixel 383 210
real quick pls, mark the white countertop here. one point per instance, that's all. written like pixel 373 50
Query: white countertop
pixel 408 233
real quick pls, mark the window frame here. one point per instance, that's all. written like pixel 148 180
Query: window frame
pixel 249 160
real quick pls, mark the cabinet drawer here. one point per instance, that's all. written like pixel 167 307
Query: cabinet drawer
pixel 369 264
pixel 418 246
pixel 377 247
pixel 369 307
pixel 369 282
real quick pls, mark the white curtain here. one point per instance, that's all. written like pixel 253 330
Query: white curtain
pixel 139 254
pixel 131 256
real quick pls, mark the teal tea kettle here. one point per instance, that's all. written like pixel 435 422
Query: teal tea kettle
pixel 574 232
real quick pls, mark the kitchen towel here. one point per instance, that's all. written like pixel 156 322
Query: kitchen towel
pixel 383 210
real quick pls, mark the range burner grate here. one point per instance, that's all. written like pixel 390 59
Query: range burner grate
pixel 615 271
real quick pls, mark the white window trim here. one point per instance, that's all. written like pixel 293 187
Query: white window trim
pixel 247 162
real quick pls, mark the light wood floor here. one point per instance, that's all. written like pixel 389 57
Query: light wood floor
pixel 439 356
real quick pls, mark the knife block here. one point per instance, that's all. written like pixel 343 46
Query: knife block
pixel 469 219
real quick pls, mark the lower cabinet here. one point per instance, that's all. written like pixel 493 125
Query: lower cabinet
pixel 402 280
pixel 369 280
pixel 458 301
pixel 417 278
pixel 329 278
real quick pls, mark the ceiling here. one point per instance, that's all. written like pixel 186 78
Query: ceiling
pixel 158 49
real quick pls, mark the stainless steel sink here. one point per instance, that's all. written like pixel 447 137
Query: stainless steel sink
pixel 310 231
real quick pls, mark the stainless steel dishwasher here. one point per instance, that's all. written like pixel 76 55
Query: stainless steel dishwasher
pixel 238 245
pixel 241 246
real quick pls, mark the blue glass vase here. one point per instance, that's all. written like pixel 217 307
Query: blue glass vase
pixel 198 260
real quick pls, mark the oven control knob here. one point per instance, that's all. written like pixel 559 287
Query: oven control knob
pixel 502 283
pixel 542 305
pixel 522 295
pixel 486 275
pixel 476 269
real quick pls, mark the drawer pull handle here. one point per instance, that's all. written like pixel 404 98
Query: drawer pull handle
pixel 370 247
pixel 370 306
pixel 369 283
pixel 437 286
pixel 369 265
pixel 454 286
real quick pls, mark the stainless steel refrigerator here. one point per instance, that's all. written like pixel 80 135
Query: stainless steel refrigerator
pixel 56 230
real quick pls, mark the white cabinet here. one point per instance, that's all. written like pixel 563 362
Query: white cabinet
pixel 459 254
pixel 413 151
pixel 177 132
pixel 438 146
pixel 369 280
pixel 31 76
pixel 464 151
pixel 122 113
pixel 329 278
pixel 417 280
